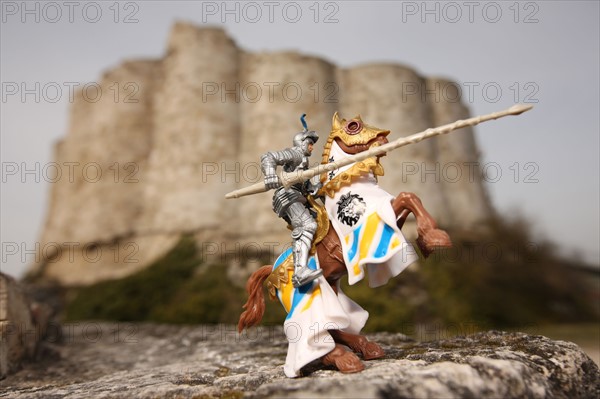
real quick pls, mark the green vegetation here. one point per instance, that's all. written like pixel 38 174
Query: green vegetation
pixel 140 296
pixel 499 281
pixel 169 291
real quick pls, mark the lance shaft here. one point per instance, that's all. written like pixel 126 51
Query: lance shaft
pixel 289 179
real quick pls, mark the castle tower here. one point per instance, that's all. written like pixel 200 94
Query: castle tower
pixel 458 159
pixel 104 153
pixel 171 137
pixel 103 160
pixel 390 97
pixel 290 85
pixel 195 134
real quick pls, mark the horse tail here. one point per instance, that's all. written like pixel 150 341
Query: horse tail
pixel 255 306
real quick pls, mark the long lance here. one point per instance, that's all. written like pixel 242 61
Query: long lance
pixel 288 179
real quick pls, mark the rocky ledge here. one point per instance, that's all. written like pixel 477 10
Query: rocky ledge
pixel 109 360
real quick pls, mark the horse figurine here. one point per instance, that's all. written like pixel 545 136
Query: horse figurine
pixel 358 233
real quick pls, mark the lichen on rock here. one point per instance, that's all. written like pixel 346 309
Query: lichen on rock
pixel 112 360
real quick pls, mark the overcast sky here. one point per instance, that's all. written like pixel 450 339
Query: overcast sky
pixel 541 52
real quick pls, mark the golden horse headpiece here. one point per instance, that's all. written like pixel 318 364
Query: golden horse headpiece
pixel 354 131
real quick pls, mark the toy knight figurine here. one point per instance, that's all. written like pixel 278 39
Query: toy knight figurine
pixel 359 235
pixel 290 203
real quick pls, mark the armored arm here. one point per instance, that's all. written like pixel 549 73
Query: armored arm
pixel 269 162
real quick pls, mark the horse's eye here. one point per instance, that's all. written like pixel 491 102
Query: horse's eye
pixel 353 127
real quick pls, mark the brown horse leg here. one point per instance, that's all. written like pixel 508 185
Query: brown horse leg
pixel 358 343
pixel 343 360
pixel 331 259
pixel 430 237
pixel 402 218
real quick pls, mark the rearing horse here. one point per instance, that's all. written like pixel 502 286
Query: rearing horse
pixel 358 227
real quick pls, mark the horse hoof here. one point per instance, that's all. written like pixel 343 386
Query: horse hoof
pixel 369 350
pixel 432 240
pixel 372 351
pixel 344 361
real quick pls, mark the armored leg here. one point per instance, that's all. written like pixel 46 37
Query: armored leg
pixel 304 227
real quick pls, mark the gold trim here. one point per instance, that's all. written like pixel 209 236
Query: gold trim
pixel 347 177
pixel 322 223
pixel 366 133
pixel 279 277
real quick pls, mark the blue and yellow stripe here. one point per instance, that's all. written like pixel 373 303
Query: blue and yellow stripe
pixel 291 297
pixel 372 239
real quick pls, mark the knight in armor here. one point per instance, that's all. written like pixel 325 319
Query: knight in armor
pixel 290 204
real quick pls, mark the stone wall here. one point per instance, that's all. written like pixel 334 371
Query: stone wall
pixel 188 128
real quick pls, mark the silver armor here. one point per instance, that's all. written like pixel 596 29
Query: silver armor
pixel 290 203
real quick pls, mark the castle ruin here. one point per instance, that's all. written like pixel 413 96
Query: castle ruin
pixel 170 137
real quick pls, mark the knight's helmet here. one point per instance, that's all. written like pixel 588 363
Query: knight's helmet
pixel 306 137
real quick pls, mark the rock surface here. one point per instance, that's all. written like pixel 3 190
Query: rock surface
pixel 146 361
pixel 18 332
